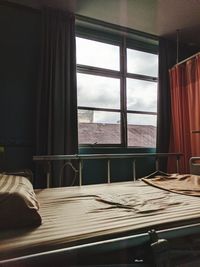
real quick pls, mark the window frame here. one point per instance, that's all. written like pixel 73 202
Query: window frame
pixel 124 42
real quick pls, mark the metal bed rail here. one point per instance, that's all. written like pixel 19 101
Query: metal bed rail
pixel 81 157
pixel 103 246
pixel 194 164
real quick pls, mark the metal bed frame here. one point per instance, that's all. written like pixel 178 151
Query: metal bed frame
pixel 157 242
pixel 81 157
pixel 194 164
pixel 160 249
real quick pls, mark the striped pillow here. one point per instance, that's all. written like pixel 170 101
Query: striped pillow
pixel 18 204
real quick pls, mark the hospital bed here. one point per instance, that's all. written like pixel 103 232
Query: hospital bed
pixel 107 225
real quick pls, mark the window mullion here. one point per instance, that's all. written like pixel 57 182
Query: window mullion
pixel 142 77
pixel 142 112
pixel 98 71
pixel 123 69
pixel 91 75
pixel 99 109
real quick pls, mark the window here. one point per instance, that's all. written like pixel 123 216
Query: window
pixel 117 92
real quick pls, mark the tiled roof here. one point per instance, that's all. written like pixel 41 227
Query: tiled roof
pixel 104 133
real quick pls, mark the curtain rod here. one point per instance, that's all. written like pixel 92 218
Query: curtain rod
pixel 183 61
pixel 177 46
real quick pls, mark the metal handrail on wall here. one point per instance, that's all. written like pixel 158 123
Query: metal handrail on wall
pixel 81 157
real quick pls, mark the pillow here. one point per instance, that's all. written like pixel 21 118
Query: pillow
pixel 24 172
pixel 18 204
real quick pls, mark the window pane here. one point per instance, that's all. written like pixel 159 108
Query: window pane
pixel 142 63
pixel 142 130
pixel 141 95
pixel 97 54
pixel 98 91
pixel 98 127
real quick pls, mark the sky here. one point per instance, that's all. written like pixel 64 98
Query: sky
pixel 104 92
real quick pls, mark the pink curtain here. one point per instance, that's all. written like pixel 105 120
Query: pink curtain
pixel 185 111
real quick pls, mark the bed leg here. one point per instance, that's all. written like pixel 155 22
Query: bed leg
pixel 160 250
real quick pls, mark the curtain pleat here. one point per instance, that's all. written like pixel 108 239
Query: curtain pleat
pixel 167 59
pixel 185 103
pixel 57 94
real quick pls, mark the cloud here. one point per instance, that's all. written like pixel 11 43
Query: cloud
pixel 141 95
pixel 142 105
pixel 106 117
pixel 97 91
pixel 141 119
pixel 97 54
pixel 104 92
pixel 142 63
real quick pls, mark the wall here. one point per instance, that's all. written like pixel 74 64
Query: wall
pixel 20 43
pixel 95 171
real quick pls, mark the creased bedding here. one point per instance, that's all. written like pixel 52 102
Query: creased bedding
pixel 186 184
pixel 78 215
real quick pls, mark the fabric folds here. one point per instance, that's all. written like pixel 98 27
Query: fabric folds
pixel 185 184
pixel 57 95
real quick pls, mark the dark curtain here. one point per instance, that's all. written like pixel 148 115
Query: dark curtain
pixel 167 59
pixel 57 94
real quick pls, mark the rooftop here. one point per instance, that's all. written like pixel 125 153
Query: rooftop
pixel 105 133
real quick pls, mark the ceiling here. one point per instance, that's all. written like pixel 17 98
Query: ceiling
pixel 157 17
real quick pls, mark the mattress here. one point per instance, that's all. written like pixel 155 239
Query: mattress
pixel 78 215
